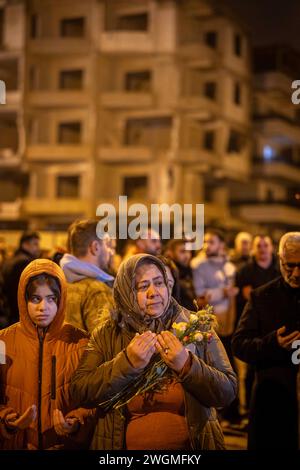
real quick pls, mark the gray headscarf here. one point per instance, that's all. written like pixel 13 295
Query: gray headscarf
pixel 124 292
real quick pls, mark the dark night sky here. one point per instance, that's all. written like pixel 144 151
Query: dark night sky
pixel 270 21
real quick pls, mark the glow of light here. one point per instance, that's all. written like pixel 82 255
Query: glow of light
pixel 268 152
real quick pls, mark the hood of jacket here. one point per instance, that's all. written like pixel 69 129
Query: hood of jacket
pixel 76 270
pixel 35 268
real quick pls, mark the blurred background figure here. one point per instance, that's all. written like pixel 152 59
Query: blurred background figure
pixel 177 251
pixel 86 270
pixel 242 249
pixel 29 249
pixel 57 254
pixel 149 244
pixel 214 283
pixel 173 276
pixel 260 269
pixel 115 259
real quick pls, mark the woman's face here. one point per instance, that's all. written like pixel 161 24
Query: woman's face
pixel 151 290
pixel 42 306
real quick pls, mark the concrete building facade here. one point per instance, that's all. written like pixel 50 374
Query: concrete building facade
pixel 148 98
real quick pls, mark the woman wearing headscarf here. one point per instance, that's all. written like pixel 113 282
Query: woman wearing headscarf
pixel 41 354
pixel 181 417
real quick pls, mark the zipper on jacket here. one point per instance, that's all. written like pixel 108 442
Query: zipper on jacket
pixel 39 414
pixel 53 378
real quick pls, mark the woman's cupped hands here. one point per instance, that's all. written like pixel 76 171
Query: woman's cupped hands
pixel 143 346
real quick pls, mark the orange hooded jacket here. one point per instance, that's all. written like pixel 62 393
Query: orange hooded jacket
pixel 38 371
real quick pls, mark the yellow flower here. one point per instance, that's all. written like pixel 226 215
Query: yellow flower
pixel 181 326
pixel 193 318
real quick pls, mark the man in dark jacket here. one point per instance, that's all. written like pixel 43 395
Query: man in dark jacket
pixel 29 249
pixel 260 269
pixel 265 336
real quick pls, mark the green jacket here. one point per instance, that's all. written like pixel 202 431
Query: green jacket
pixel 88 303
pixel 104 370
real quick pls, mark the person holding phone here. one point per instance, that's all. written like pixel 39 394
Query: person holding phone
pixel 265 336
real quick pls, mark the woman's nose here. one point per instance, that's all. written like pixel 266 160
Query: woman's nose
pixel 151 290
pixel 42 305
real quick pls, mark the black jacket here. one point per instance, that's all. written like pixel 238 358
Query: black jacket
pixel 274 405
pixel 12 271
pixel 251 274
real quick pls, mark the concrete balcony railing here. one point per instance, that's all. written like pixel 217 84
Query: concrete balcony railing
pixel 13 99
pixel 206 56
pixel 272 81
pixel 194 156
pixel 124 154
pixel 58 98
pixel 275 212
pixel 55 206
pixel 10 210
pixel 8 158
pixel 199 103
pixel 57 45
pixel 58 153
pixel 277 169
pixel 236 165
pixel 122 99
pixel 279 126
pixel 124 41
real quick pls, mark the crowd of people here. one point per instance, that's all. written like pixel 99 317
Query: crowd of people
pixel 81 326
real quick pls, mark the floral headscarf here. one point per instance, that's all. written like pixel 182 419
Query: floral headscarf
pixel 126 300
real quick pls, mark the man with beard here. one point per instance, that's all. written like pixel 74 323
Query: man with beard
pixel 214 278
pixel 85 266
pixel 242 249
pixel 265 336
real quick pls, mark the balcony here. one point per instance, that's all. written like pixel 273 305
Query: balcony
pixel 206 57
pixel 58 98
pixel 124 41
pixel 124 154
pixel 265 212
pixel 278 127
pixel 200 156
pixel 13 100
pixel 10 210
pixel 279 168
pixel 8 158
pixel 275 82
pixel 55 206
pixel 209 108
pixel 57 45
pixel 127 100
pixel 58 153
pixel 237 166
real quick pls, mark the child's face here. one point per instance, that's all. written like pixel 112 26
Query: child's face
pixel 42 306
